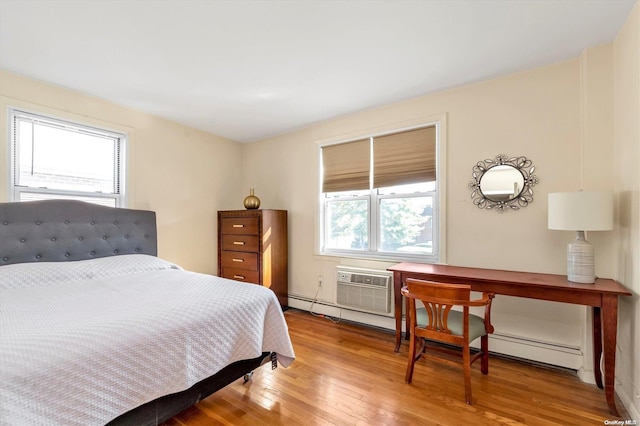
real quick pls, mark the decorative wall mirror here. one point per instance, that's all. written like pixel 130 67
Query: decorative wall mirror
pixel 503 183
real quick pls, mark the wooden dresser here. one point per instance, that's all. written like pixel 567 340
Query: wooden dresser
pixel 253 247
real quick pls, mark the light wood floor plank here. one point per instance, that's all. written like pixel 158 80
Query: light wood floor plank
pixel 347 374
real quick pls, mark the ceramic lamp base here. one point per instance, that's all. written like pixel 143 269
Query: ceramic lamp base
pixel 580 261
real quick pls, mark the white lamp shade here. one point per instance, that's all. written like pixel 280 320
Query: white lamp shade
pixel 581 211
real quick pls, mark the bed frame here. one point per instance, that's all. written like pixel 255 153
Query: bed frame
pixel 66 230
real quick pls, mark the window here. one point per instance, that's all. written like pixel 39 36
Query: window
pixel 57 159
pixel 380 196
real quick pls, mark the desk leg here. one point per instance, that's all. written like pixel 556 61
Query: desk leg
pixel 609 333
pixel 397 300
pixel 597 345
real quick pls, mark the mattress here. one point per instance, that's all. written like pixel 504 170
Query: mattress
pixel 83 342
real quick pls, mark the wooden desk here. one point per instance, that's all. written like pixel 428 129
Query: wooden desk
pixel 602 296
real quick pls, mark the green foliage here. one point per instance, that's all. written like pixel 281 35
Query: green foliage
pixel 349 224
pixel 404 222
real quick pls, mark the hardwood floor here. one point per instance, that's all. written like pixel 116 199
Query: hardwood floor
pixel 347 374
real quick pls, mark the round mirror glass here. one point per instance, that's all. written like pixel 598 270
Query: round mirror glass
pixel 502 183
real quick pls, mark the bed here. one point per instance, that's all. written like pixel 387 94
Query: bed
pixel 96 329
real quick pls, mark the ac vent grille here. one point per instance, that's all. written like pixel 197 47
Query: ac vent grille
pixel 365 290
pixel 369 279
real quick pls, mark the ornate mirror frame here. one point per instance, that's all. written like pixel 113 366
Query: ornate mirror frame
pixel 522 199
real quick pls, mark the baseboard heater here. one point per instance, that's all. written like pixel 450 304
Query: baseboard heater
pixel 364 290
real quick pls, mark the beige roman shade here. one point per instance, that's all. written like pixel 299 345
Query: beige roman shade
pixel 403 158
pixel 346 166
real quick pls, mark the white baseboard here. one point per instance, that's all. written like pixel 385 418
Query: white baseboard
pixel 630 402
pixel 536 350
pixel 328 309
pixel 587 375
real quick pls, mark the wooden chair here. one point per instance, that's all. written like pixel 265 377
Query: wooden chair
pixel 437 321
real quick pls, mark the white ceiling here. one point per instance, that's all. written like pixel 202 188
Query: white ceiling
pixel 247 70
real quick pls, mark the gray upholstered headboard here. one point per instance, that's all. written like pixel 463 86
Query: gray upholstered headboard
pixel 63 230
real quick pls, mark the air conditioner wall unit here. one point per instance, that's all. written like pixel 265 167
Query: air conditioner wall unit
pixel 365 290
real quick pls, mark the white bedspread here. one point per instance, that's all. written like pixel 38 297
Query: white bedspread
pixel 83 342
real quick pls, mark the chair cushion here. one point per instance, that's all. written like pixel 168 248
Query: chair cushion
pixel 476 323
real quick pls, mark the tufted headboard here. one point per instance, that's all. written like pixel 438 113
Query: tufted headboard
pixel 63 230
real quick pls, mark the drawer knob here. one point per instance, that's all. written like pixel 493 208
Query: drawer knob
pixel 238 243
pixel 238 260
pixel 238 226
pixel 239 277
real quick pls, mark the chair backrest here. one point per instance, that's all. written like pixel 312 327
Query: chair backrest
pixel 438 299
pixel 446 325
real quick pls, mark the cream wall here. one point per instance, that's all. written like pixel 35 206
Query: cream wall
pixel 559 116
pixel 183 174
pixel 626 147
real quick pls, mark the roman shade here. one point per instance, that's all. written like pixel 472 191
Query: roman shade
pixel 398 159
pixel 346 166
pixel 404 158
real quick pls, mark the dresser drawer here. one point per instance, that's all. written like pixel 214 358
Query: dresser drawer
pixel 239 225
pixel 239 260
pixel 240 243
pixel 252 247
pixel 241 275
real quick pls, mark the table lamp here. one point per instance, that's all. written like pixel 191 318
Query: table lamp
pixel 581 211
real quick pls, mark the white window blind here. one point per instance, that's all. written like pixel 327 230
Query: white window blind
pixel 58 159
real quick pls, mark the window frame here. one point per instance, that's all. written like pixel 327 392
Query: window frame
pixel 120 138
pixel 439 201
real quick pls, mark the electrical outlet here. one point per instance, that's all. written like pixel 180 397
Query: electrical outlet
pixel 319 280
